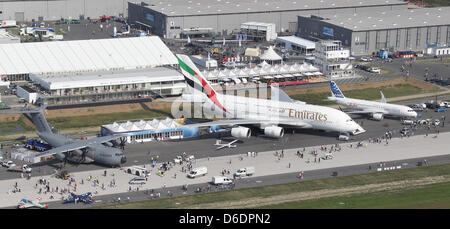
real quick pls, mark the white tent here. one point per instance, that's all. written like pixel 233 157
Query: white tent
pixel 253 71
pixel 284 69
pixel 273 70
pixel 231 74
pixel 262 72
pixel 271 55
pixel 264 64
pixel 222 74
pixel 243 72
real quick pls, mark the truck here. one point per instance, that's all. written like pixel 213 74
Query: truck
pixel 22 169
pixel 34 144
pixel 200 171
pixel 218 180
pixel 247 171
pixel 138 171
pixel 8 24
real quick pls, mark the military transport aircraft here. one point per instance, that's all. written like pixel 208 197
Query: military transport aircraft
pixel 100 150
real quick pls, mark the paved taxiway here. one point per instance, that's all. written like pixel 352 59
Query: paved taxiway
pixel 265 163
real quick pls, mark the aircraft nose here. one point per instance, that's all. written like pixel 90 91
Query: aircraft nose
pixel 123 160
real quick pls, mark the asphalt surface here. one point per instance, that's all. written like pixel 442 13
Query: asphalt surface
pixel 251 182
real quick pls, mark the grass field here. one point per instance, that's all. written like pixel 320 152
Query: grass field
pixel 396 193
pixel 428 196
pixel 13 124
pixel 435 3
pixel 396 90
pixel 101 119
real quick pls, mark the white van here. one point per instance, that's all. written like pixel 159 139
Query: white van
pixel 248 171
pixel 138 180
pixel 200 171
pixel 217 180
pixel 344 137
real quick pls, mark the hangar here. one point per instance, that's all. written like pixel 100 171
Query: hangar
pixel 369 32
pixel 18 61
pixel 52 10
pixel 168 18
pixel 93 71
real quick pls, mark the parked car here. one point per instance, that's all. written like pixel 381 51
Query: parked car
pixel 8 164
pixel 248 171
pixel 366 59
pixel 375 70
pixel 417 107
pixel 441 109
pixel 138 180
pixel 405 130
pixel 407 122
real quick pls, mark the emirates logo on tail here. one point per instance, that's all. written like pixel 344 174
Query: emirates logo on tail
pixel 206 88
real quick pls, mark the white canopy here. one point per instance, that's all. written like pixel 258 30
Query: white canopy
pixel 264 64
pixel 271 55
pixel 59 57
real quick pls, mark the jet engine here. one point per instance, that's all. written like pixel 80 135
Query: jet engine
pixel 241 132
pixel 377 116
pixel 274 131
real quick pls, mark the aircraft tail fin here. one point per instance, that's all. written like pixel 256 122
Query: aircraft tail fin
pixel 335 91
pixel 383 99
pixel 37 117
pixel 195 80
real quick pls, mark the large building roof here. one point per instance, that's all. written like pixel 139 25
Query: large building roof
pixel 307 44
pixel 99 79
pixel 205 7
pixel 56 57
pixel 392 19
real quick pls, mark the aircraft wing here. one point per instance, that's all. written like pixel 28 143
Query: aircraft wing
pixel 234 122
pixel 79 145
pixel 227 123
pixel 367 112
pixel 221 147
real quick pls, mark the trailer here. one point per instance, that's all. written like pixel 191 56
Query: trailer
pixel 23 169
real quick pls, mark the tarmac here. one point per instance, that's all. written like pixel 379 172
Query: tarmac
pixel 265 163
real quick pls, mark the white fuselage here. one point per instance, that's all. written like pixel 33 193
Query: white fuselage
pixel 375 107
pixel 288 113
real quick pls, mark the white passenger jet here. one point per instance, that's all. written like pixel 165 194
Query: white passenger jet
pixel 376 110
pixel 271 116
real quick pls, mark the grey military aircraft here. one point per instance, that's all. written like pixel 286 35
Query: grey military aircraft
pixel 99 150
